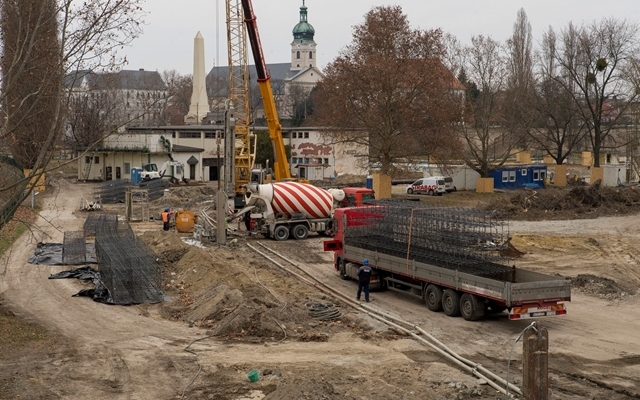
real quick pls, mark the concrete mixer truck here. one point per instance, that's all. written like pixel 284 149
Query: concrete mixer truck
pixel 290 209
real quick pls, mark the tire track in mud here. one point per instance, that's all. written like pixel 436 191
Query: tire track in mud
pixel 596 388
pixel 569 379
pixel 119 377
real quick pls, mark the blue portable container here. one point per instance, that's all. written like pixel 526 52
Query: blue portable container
pixel 136 175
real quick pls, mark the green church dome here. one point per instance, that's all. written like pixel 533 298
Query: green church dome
pixel 303 29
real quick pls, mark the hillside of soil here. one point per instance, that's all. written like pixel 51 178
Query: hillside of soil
pixel 579 202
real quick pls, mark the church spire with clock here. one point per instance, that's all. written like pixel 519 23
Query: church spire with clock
pixel 303 47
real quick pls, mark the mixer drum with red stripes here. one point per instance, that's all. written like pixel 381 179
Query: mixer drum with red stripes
pixel 298 200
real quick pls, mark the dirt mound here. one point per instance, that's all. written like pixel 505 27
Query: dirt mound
pixel 186 197
pixel 168 246
pixel 569 203
pixel 600 287
pixel 343 181
pixel 232 292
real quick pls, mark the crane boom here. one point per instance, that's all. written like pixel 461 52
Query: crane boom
pixel 281 164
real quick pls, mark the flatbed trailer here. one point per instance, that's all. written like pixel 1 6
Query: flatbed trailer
pixel 445 259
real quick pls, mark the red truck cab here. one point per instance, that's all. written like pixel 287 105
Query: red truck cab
pixel 356 196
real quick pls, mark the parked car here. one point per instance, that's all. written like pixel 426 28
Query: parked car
pixel 448 184
pixel 431 186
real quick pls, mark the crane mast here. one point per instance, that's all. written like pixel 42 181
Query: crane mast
pixel 239 94
pixel 281 164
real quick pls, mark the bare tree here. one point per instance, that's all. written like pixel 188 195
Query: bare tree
pixel 557 128
pixel 488 143
pixel 300 103
pixel 64 35
pixel 179 97
pixel 520 81
pixel 90 116
pixel 595 59
pixel 389 93
pixel 29 93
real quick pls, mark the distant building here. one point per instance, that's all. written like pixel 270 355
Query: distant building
pixel 127 97
pixel 519 176
pixel 291 82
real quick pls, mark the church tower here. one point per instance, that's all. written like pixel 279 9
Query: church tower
pixel 303 47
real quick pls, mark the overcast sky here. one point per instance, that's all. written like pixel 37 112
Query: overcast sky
pixel 171 25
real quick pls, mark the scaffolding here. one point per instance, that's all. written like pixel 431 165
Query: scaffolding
pixel 463 239
pixel 137 205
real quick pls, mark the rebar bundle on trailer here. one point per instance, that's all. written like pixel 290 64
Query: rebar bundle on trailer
pixel 74 248
pixel 464 239
pixel 128 267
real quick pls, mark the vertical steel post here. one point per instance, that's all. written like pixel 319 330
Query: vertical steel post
pixel 535 371
pixel 221 216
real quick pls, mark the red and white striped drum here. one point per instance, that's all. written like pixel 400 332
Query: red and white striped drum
pixel 290 198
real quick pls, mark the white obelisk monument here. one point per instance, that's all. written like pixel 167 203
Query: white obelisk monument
pixel 199 106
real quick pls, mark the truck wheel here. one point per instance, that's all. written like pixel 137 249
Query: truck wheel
pixel 433 297
pixel 342 271
pixel 281 233
pixel 409 191
pixel 451 302
pixel 430 192
pixel 300 232
pixel 471 307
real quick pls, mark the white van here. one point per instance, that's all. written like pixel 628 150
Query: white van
pixel 433 185
pixel 448 183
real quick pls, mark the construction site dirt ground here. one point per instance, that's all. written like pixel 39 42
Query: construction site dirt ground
pixel 230 311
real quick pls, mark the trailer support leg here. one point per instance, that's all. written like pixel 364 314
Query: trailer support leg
pixel 535 382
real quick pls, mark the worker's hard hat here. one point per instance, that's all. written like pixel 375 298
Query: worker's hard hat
pixel 365 261
pixel 167 209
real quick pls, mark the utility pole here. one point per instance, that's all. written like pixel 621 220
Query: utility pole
pixel 535 371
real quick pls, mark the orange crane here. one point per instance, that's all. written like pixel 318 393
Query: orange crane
pixel 281 164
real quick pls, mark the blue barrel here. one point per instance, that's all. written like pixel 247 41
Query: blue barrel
pixel 369 183
pixel 136 175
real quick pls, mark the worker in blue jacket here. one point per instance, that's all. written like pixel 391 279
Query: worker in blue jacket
pixel 364 276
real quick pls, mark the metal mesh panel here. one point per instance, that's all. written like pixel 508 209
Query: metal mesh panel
pixel 113 192
pixel 100 221
pixel 74 248
pixel 128 266
pixel 464 239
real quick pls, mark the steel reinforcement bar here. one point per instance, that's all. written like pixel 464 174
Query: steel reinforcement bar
pixel 452 237
pixel 128 267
